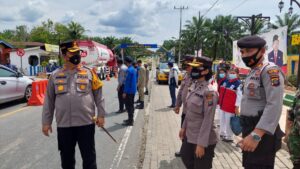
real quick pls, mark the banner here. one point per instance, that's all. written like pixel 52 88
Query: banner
pixel 276 49
pixel 51 48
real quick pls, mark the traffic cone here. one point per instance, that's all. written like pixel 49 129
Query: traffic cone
pixel 35 99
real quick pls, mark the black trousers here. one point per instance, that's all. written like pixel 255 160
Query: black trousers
pixel 182 118
pixel 190 160
pixel 296 166
pixel 121 99
pixel 85 137
pixel 129 104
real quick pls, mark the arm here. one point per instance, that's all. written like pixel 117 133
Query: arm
pixel 99 101
pixel 273 82
pixel 49 105
pixel 176 77
pixel 179 95
pixel 210 103
pixel 128 82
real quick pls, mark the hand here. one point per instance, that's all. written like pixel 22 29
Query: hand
pixel 248 144
pixel 124 95
pixel 176 110
pixel 237 110
pixel 200 151
pixel 182 134
pixel 46 129
pixel 100 121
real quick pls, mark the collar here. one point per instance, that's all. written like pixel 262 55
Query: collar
pixel 233 80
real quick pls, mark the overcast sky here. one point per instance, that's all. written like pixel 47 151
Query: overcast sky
pixel 146 21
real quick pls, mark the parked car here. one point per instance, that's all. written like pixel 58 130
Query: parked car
pixel 162 73
pixel 14 85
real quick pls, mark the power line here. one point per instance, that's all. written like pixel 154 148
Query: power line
pixel 213 5
pixel 181 8
pixel 236 7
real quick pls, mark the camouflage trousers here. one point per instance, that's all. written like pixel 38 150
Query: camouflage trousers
pixel 294 145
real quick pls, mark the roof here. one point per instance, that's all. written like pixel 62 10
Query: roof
pixel 28 44
pixel 7 45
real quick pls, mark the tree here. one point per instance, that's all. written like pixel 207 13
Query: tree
pixel 21 33
pixel 75 30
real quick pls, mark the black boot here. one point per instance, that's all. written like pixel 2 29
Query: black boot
pixel 141 105
pixel 138 101
pixel 128 123
pixel 146 93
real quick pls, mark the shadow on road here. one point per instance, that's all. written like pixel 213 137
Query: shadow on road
pixel 163 110
pixel 115 127
pixel 175 163
pixel 12 103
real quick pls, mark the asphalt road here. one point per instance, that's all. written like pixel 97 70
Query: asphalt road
pixel 23 146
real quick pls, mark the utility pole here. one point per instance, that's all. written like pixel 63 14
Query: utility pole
pixel 251 21
pixel 198 37
pixel 180 9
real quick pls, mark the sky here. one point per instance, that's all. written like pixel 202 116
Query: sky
pixel 146 21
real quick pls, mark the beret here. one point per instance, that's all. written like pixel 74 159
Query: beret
pixel 251 42
pixel 128 59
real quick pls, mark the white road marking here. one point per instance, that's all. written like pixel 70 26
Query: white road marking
pixel 116 162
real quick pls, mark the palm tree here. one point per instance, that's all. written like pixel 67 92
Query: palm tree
pixel 293 23
pixel 75 30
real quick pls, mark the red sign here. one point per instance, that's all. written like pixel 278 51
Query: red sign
pixel 20 52
pixel 83 54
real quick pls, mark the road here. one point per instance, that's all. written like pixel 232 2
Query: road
pixel 23 146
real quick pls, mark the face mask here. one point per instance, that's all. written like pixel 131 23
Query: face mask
pixel 251 60
pixel 75 59
pixel 222 75
pixel 196 73
pixel 232 76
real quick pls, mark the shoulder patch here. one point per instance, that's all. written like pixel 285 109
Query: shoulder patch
pixel 209 98
pixel 273 74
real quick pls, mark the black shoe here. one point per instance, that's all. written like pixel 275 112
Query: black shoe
pixel 125 121
pixel 177 154
pixel 146 93
pixel 138 101
pixel 128 123
pixel 140 106
pixel 171 106
pixel 120 111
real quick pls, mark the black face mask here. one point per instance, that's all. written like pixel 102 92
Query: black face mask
pixel 251 60
pixel 196 73
pixel 75 59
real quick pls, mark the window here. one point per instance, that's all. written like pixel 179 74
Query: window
pixel 6 73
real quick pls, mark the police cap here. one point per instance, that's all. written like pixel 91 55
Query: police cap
pixel 251 42
pixel 206 61
pixel 128 59
pixel 70 46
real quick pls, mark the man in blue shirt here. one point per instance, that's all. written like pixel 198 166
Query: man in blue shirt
pixel 130 90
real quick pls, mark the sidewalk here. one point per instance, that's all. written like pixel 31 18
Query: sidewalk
pixel 163 141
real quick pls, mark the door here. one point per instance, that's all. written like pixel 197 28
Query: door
pixel 8 85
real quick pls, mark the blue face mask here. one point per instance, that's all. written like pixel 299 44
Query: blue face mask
pixel 232 76
pixel 222 75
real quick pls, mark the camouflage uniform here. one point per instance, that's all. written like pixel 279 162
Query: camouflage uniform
pixel 294 136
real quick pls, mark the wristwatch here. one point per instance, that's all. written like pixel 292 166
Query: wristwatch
pixel 255 136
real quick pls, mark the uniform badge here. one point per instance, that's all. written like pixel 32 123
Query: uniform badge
pixel 251 86
pixel 275 81
pixel 209 99
pixel 60 88
pixel 82 87
pixel 251 93
pixel 232 87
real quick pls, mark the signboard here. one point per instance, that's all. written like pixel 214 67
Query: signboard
pixel 295 39
pixel 20 52
pixel 276 49
pixel 124 45
pixel 51 48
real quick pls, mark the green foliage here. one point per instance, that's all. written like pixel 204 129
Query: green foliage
pixel 293 80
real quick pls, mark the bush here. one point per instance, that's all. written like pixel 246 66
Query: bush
pixel 293 80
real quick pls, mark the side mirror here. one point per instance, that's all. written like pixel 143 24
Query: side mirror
pixel 19 74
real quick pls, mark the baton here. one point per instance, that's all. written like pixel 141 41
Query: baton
pixel 94 119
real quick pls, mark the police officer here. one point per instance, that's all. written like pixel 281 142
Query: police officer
pixel 147 78
pixel 72 92
pixel 292 131
pixel 198 129
pixel 141 84
pixel 260 106
pixel 130 90
pixel 183 90
pixel 121 82
pixel 173 83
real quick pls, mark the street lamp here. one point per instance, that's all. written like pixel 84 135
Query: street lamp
pixel 280 5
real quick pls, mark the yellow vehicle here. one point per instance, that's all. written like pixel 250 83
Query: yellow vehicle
pixel 162 73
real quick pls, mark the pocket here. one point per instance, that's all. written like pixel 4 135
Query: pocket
pixel 60 86
pixel 82 85
pixel 253 91
pixel 196 103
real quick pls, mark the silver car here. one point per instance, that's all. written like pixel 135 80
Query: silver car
pixel 13 85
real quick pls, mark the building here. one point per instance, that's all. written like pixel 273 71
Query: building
pixel 5 49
